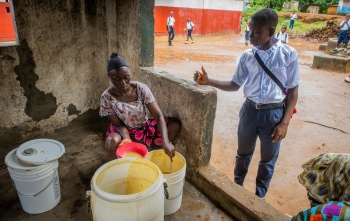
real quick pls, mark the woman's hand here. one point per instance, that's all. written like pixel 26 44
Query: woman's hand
pixel 124 141
pixel 201 77
pixel 169 149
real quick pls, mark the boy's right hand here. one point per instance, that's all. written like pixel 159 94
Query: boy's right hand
pixel 201 77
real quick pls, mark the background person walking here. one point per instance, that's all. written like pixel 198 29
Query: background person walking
pixel 247 33
pixel 292 20
pixel 190 27
pixel 170 27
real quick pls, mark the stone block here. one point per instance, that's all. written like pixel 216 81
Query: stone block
pixel 193 104
pixel 237 201
pixel 322 47
pixel 332 63
pixel 332 43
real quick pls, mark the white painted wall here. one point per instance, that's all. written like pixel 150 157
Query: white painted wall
pixel 229 5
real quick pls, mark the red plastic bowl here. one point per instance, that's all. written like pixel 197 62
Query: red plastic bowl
pixel 132 147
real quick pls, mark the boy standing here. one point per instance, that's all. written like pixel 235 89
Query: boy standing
pixel 292 20
pixel 282 35
pixel 343 34
pixel 267 111
pixel 190 27
pixel 170 26
pixel 247 33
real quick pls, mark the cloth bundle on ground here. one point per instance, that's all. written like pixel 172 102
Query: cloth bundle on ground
pixel 332 211
pixel 327 177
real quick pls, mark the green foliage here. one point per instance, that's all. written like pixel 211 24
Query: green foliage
pixel 250 11
pixel 324 4
pixel 299 27
pixel 275 4
pixel 303 4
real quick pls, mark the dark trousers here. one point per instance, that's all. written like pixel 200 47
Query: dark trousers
pixel 291 24
pixel 256 123
pixel 171 33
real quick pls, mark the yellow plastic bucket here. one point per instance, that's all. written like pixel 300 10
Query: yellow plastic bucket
pixel 174 175
pixel 127 189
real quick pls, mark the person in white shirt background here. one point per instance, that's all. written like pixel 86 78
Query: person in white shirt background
pixel 170 27
pixel 282 35
pixel 343 34
pixel 190 27
pixel 292 20
pixel 247 34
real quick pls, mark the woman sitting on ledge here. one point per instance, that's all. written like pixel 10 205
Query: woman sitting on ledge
pixel 125 105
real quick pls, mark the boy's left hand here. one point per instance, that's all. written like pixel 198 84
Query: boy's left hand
pixel 279 132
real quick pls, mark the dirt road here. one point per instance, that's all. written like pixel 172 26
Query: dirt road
pixel 321 125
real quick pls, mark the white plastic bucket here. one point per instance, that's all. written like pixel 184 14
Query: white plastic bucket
pixel 37 186
pixel 127 189
pixel 175 178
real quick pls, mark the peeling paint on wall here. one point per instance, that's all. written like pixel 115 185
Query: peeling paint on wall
pixel 39 105
pixel 72 109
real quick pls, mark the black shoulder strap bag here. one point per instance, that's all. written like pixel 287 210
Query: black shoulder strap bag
pixel 272 76
pixel 268 72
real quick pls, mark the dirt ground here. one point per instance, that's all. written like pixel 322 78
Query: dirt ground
pixel 321 124
pixel 84 154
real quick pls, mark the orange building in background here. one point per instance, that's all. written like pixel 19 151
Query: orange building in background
pixel 7 29
pixel 208 16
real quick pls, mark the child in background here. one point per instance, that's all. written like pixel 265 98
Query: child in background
pixel 343 34
pixel 189 26
pixel 247 33
pixel 282 35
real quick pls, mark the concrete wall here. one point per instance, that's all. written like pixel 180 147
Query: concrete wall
pixel 332 9
pixel 343 7
pixel 194 105
pixel 208 16
pixel 58 71
pixel 313 9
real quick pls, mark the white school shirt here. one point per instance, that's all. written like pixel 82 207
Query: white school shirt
pixel 293 16
pixel 247 28
pixel 345 27
pixel 171 21
pixel 281 59
pixel 282 36
pixel 190 25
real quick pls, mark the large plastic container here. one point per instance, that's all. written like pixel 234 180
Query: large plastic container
pixel 127 189
pixel 37 186
pixel 174 173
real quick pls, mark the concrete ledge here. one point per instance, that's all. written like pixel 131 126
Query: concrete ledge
pixel 237 201
pixel 332 63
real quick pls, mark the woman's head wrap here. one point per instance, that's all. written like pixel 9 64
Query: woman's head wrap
pixel 115 62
